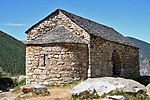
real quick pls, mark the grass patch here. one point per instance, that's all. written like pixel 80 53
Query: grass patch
pixel 128 96
pixel 67 85
pixel 18 85
pixel 132 96
pixel 85 97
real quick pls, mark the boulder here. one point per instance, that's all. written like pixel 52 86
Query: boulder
pixel 148 87
pixel 34 88
pixel 106 85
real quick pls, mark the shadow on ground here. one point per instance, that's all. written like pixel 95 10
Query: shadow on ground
pixel 6 84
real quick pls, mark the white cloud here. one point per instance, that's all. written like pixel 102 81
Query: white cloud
pixel 14 24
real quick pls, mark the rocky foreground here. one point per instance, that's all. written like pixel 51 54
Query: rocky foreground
pixel 89 87
pixel 105 85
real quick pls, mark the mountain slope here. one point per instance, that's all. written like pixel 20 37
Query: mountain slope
pixel 144 53
pixel 12 54
pixel 144 47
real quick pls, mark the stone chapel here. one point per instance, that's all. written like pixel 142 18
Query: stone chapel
pixel 64 47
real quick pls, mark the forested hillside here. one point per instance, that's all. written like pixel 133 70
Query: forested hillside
pixel 12 54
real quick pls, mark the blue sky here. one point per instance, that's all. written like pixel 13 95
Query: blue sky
pixel 129 17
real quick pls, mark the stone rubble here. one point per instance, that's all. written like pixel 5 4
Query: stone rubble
pixel 37 88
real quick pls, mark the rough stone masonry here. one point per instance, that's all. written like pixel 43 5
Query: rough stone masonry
pixel 64 47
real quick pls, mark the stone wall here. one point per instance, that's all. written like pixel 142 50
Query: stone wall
pixel 101 58
pixel 65 62
pixel 57 20
pixel 56 63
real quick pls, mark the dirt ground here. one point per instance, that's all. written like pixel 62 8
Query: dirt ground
pixel 55 94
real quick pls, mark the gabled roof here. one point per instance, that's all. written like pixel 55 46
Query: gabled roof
pixel 57 35
pixel 93 28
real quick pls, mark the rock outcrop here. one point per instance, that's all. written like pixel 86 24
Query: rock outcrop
pixel 105 85
pixel 144 66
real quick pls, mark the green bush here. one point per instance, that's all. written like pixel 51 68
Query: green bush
pixel 84 97
pixel 132 96
pixel 18 85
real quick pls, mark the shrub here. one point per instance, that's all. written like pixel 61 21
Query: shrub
pixel 132 96
pixel 18 85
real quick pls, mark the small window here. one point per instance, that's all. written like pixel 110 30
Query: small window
pixel 44 58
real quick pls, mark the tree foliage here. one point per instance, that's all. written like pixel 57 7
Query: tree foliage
pixel 12 54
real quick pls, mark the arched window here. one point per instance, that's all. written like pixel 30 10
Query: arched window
pixel 116 59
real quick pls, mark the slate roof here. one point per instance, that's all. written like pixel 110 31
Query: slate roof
pixel 57 35
pixel 93 28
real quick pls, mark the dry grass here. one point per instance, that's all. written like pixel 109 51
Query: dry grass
pixel 60 92
pixel 56 93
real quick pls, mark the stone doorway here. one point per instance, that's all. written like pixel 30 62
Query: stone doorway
pixel 116 59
